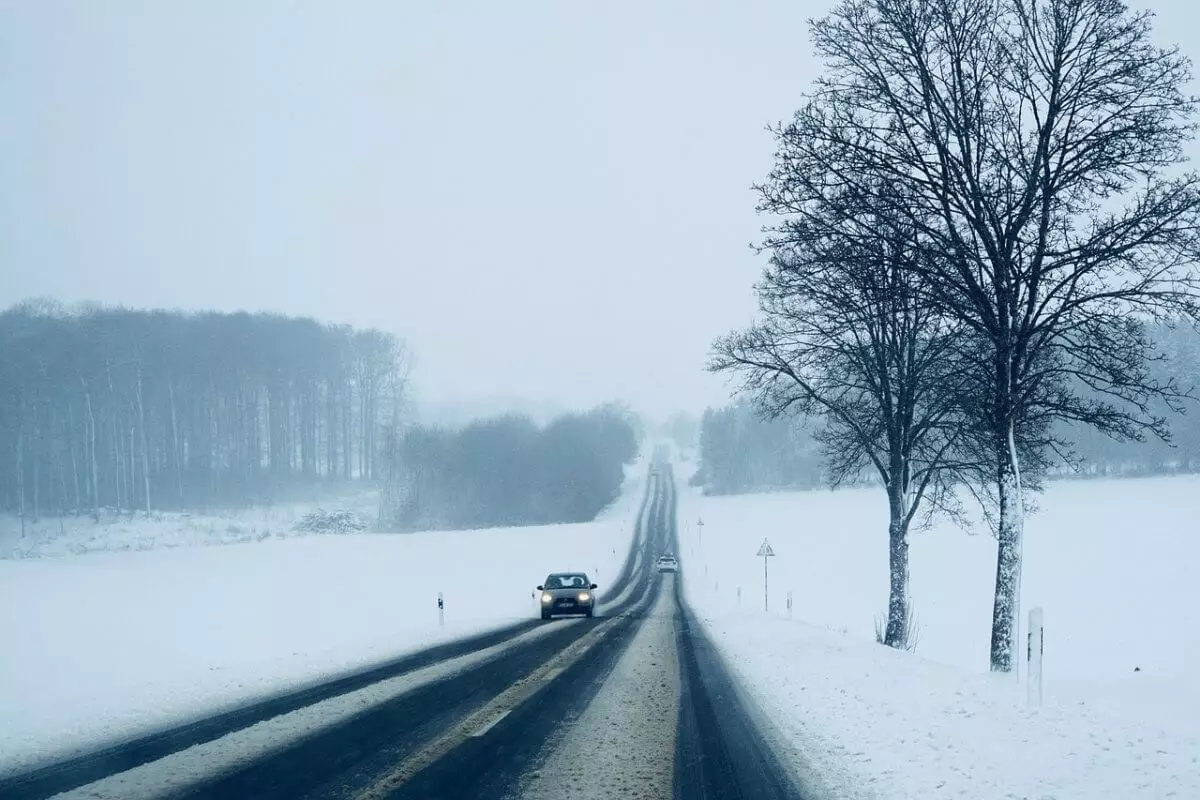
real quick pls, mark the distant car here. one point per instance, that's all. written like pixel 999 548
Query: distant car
pixel 667 563
pixel 568 593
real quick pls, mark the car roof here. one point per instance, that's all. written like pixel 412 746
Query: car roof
pixel 567 574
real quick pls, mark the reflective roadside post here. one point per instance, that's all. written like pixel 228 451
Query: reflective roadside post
pixel 441 610
pixel 1035 644
pixel 766 551
pixel 789 604
pixel 700 532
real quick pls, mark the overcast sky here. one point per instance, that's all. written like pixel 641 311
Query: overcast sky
pixel 548 200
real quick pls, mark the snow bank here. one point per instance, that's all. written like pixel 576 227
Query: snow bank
pixel 862 721
pixel 133 531
pixel 105 645
pixel 1109 562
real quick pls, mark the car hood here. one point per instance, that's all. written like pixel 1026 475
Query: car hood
pixel 568 592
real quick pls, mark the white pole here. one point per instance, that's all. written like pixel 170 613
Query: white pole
pixel 766 610
pixel 441 610
pixel 1034 649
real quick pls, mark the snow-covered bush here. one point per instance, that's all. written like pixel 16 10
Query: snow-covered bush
pixel 322 521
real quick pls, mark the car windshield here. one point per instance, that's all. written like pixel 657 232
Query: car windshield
pixel 567 582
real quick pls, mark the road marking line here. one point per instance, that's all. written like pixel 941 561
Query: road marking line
pixel 185 770
pixel 508 700
pixel 492 724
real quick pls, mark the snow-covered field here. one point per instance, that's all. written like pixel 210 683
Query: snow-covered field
pixel 125 531
pixel 1112 564
pixel 104 645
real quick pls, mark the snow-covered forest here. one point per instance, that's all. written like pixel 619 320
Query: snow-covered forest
pixel 508 471
pixel 741 452
pixel 148 410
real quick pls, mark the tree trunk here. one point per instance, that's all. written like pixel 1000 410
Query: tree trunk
pixel 20 451
pixel 363 440
pixel 37 464
pixel 896 633
pixel 331 430
pixel 145 449
pixel 62 481
pixel 132 468
pixel 92 449
pixel 348 433
pixel 175 444
pixel 116 470
pixel 74 459
pixel 1010 523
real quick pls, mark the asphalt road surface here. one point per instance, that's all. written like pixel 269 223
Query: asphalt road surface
pixel 634 703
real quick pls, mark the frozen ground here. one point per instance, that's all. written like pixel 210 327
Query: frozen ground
pixel 1109 561
pixel 124 531
pixel 101 646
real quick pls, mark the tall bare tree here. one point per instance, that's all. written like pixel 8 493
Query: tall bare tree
pixel 848 336
pixel 1038 145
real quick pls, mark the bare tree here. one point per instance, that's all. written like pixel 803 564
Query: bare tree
pixel 848 336
pixel 141 409
pixel 1036 144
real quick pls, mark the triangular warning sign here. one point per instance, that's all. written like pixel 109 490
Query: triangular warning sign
pixel 765 549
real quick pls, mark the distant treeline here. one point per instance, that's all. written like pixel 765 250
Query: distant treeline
pixel 110 407
pixel 508 471
pixel 741 452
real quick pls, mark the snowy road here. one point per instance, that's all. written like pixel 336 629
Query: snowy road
pixel 633 703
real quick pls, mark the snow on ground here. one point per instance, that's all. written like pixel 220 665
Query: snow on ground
pixel 102 646
pixel 124 531
pixel 176 773
pixel 1110 563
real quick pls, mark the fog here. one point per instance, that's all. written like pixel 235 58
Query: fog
pixel 550 201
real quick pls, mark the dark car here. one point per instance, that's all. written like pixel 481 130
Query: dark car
pixel 567 593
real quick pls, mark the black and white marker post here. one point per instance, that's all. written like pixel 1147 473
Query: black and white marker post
pixel 1035 648
pixel 441 610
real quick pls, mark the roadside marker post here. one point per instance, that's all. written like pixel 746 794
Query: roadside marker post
pixel 789 604
pixel 1035 644
pixel 766 551
pixel 739 597
pixel 441 610
pixel 700 531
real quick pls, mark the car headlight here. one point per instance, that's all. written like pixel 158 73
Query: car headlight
pixel 584 597
pixel 547 597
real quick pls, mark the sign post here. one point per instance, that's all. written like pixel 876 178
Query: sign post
pixel 700 531
pixel 765 550
pixel 441 610
pixel 1035 645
